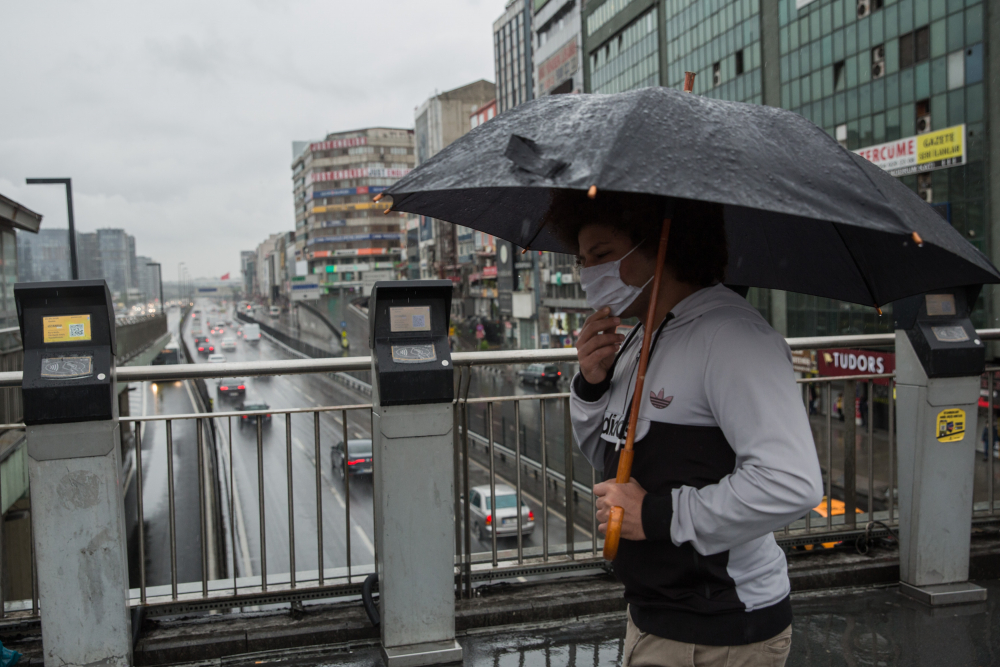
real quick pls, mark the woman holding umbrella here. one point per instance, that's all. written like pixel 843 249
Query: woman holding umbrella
pixel 723 450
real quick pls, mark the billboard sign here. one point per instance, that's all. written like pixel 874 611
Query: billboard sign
pixel 369 278
pixel 364 172
pixel 924 152
pixel 840 362
pixel 348 192
pixel 338 143
pixel 306 288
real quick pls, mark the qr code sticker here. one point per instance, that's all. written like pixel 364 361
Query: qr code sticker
pixel 418 322
pixel 76 331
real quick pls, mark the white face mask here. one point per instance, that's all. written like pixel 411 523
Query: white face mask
pixel 604 286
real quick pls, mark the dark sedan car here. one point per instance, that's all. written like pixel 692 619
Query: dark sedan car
pixel 358 460
pixel 230 387
pixel 537 374
pixel 251 420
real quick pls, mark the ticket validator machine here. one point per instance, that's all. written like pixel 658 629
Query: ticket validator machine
pixel 939 361
pixel 412 440
pixel 74 469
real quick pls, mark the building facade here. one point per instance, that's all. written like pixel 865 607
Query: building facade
pixel 512 55
pixel 874 74
pixel 444 250
pixel 340 233
pixel 43 256
pixel 557 52
pixel 148 280
pixel 14 219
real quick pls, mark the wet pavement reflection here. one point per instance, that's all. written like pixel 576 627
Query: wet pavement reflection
pixel 877 627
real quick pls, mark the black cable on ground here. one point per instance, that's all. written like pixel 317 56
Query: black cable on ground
pixel 366 598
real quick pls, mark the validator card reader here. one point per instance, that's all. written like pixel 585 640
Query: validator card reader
pixel 939 364
pixel 413 447
pixel 75 471
pixel 408 336
pixel 68 333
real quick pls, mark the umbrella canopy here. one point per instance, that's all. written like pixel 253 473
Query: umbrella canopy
pixel 802 213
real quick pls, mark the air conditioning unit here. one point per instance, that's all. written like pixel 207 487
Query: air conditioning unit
pixel 716 78
pixel 864 8
pixel 927 195
pixel 923 124
pixel 878 61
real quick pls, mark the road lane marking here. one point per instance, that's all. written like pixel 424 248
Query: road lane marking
pixel 364 538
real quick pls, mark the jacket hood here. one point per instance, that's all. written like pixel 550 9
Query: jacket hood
pixel 706 300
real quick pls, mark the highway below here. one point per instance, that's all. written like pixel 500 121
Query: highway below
pixel 254 494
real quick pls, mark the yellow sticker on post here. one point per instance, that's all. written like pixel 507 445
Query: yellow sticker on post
pixel 66 329
pixel 951 425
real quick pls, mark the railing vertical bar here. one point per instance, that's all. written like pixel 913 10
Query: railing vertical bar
pixel 3 560
pixel 170 509
pixel 260 504
pixel 202 508
pixel 347 499
pixel 517 479
pixel 491 507
pixel 291 505
pixel 568 455
pixel 466 529
pixel 319 498
pixel 892 449
pixel 850 455
pixel 829 455
pixel 457 475
pixel 545 488
pixel 593 510
pixel 989 440
pixel 870 386
pixel 232 505
pixel 34 567
pixel 137 427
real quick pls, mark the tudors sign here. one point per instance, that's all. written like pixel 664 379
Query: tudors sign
pixel 855 362
pixel 923 152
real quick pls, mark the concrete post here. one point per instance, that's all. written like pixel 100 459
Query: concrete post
pixel 80 549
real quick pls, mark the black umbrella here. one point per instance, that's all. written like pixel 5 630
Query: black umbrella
pixel 802 213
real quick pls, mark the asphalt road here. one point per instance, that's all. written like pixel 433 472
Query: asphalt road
pixel 244 459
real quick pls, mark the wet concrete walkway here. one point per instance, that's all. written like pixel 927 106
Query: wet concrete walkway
pixel 876 627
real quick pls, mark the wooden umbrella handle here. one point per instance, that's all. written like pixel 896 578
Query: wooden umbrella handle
pixel 614 531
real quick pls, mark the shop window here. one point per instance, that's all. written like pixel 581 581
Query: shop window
pixel 914 47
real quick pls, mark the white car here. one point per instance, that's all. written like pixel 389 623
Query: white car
pixel 228 343
pixel 216 358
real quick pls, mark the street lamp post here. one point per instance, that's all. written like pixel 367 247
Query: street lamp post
pixel 74 271
pixel 180 281
pixel 159 280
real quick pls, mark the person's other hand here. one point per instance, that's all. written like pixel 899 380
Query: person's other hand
pixel 598 344
pixel 629 498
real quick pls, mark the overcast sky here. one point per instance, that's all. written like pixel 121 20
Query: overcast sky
pixel 175 119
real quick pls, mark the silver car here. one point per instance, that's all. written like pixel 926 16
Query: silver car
pixel 481 512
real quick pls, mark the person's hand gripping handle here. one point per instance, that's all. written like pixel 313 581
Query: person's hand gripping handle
pixel 617 515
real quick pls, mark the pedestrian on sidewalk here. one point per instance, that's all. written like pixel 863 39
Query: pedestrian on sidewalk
pixel 724 453
pixel 840 406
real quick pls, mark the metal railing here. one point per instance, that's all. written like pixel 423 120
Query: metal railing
pixel 543 467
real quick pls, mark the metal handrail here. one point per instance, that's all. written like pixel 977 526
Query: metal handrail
pixel 461 359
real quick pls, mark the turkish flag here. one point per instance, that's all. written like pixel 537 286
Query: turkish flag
pixel 225 277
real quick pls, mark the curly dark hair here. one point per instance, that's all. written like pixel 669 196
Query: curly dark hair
pixel 697 251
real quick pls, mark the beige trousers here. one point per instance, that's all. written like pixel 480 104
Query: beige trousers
pixel 645 650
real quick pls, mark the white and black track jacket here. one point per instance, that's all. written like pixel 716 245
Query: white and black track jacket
pixel 724 449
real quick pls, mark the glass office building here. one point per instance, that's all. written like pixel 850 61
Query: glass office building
pixel 873 74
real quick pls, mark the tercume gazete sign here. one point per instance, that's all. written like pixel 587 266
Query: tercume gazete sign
pixel 924 152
